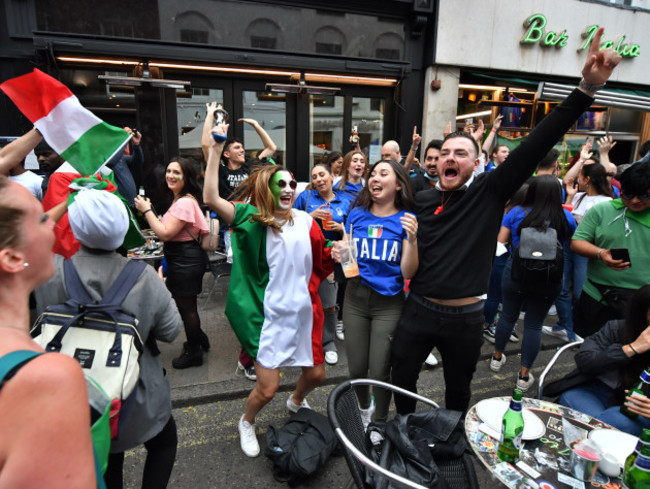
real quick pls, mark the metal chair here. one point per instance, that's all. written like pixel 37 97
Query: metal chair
pixel 549 366
pixel 219 267
pixel 344 416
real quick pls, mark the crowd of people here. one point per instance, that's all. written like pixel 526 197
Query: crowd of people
pixel 434 244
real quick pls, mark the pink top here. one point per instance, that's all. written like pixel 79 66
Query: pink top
pixel 187 209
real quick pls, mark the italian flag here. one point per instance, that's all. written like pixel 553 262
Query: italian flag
pixel 79 136
pixel 273 304
pixel 66 180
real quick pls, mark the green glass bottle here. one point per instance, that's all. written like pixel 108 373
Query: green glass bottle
pixel 642 388
pixel 638 477
pixel 631 458
pixel 512 430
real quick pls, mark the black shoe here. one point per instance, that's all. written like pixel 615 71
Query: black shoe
pixel 204 341
pixel 192 356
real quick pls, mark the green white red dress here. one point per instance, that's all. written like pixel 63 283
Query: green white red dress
pixel 273 304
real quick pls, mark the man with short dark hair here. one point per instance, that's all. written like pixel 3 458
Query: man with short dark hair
pixel 48 161
pixel 426 177
pixel 460 220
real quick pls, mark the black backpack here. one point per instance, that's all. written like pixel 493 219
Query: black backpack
pixel 300 447
pixel 538 260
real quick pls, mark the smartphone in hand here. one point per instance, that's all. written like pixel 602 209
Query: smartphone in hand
pixel 620 254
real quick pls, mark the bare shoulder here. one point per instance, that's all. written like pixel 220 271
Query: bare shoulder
pixel 50 373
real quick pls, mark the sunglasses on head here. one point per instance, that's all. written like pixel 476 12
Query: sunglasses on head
pixel 630 196
pixel 282 183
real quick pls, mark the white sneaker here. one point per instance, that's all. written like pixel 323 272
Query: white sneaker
pixel 522 315
pixel 495 365
pixel 293 407
pixel 514 337
pixel 331 357
pixel 339 331
pixel 552 311
pixel 431 360
pixel 557 333
pixel 524 385
pixel 366 414
pixel 247 438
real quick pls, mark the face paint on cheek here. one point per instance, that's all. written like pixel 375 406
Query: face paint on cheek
pixel 278 192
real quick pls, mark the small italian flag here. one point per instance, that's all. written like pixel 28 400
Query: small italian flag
pixel 375 230
pixel 78 135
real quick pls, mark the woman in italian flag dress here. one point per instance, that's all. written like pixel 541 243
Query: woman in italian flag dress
pixel 280 259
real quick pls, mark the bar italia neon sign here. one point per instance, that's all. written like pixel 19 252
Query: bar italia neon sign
pixel 535 34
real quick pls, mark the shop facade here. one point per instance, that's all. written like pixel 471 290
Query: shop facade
pixel 493 59
pixel 308 72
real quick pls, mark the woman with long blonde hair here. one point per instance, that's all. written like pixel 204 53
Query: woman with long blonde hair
pixel 280 259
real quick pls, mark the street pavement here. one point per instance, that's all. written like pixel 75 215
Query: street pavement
pixel 209 400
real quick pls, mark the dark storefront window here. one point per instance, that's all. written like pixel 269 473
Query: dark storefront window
pixel 229 23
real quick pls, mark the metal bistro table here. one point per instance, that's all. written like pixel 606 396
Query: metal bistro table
pixel 544 462
pixel 151 252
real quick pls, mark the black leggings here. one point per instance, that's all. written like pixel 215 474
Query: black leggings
pixel 188 309
pixel 161 453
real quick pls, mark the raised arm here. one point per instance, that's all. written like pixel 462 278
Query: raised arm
pixel 13 153
pixel 417 139
pixel 572 173
pixel 207 126
pixel 269 145
pixel 489 141
pixel 211 197
pixel 605 144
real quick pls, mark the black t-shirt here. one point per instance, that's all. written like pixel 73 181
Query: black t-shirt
pixel 229 179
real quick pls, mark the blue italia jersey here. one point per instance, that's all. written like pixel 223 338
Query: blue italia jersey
pixel 379 249
pixel 310 200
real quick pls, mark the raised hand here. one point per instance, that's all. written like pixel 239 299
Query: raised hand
pixel 605 144
pixel 410 225
pixel 497 122
pixel 600 62
pixel 417 139
pixel 221 131
pixel 447 130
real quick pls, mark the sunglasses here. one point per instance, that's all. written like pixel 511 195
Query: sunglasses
pixel 630 196
pixel 282 183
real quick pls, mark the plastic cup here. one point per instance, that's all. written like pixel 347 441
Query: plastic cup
pixel 327 221
pixel 348 259
pixel 584 463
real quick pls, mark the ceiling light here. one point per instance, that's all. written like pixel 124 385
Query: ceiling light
pixel 557 91
pixel 473 114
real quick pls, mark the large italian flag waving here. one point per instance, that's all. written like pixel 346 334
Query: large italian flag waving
pixel 79 136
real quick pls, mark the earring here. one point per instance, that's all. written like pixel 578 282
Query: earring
pixel 25 264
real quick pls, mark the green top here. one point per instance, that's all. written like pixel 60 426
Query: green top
pixel 610 225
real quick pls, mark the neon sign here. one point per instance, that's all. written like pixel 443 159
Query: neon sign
pixel 536 34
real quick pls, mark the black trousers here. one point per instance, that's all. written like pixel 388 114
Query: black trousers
pixel 457 333
pixel 589 315
pixel 161 454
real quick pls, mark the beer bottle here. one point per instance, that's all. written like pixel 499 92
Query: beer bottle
pixel 631 458
pixel 641 388
pixel 512 430
pixel 638 477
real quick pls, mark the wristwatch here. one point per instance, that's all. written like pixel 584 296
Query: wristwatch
pixel 588 87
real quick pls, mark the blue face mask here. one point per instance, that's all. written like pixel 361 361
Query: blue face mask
pixel 429 177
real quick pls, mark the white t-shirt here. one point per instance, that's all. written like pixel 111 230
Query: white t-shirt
pixel 31 181
pixel 581 207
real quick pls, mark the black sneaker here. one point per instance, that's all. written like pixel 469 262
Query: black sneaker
pixel 488 333
pixel 249 372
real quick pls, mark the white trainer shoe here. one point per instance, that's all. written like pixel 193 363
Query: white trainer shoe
pixel 339 331
pixel 293 407
pixel 366 414
pixel 331 357
pixel 431 360
pixel 495 365
pixel 524 385
pixel 247 439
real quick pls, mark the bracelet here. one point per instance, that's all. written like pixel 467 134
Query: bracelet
pixel 632 348
pixel 148 210
pixel 493 130
pixel 598 254
pixel 414 148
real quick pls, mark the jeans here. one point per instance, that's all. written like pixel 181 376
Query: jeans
pixel 494 289
pixel 370 319
pixel 563 302
pixel 593 398
pixel 457 332
pixel 537 306
pixel 327 294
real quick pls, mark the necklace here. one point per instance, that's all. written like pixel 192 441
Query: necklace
pixel 441 207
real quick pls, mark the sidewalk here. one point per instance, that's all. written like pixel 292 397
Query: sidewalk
pixel 216 379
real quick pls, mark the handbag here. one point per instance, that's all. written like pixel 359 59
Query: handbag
pixel 615 297
pixel 209 241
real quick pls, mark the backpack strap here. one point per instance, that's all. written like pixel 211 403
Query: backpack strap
pixel 11 362
pixel 73 284
pixel 124 283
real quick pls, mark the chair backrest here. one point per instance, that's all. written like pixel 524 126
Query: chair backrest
pixel 343 412
pixel 553 361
